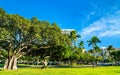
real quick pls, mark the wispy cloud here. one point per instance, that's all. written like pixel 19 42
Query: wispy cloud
pixel 90 15
pixel 107 26
pixel 100 9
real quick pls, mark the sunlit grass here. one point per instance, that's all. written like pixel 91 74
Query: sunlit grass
pixel 64 71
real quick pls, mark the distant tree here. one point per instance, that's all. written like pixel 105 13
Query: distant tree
pixel 115 55
pixel 110 48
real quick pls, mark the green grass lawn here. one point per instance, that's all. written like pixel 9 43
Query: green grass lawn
pixel 64 71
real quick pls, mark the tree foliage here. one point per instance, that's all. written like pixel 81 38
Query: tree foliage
pixel 19 36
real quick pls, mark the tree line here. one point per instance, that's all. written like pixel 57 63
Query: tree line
pixel 26 39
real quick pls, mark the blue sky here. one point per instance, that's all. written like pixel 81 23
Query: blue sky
pixel 89 17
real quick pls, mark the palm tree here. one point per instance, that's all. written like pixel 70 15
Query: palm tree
pixel 81 44
pixel 73 36
pixel 110 48
pixel 93 41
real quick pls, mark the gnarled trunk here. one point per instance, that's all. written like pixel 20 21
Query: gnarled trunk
pixel 10 63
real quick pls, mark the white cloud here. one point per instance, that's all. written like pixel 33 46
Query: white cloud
pixel 109 33
pixel 107 26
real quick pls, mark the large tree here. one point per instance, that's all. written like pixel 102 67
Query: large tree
pixel 19 35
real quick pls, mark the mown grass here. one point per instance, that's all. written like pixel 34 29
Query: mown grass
pixel 113 70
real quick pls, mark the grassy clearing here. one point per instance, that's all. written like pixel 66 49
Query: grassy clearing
pixel 64 71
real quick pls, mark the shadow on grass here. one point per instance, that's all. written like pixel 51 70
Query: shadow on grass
pixel 23 66
pixel 117 71
pixel 0 69
pixel 57 66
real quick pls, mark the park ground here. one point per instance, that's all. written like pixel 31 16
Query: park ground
pixel 106 70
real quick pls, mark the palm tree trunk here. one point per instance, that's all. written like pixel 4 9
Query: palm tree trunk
pixel 93 55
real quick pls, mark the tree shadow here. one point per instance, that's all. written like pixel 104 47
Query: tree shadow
pixel 117 71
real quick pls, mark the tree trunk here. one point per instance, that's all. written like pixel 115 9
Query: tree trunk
pixel 93 62
pixel 96 62
pixel 10 64
pixel 44 64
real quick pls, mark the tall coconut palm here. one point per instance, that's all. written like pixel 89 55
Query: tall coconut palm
pixel 93 41
pixel 73 36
